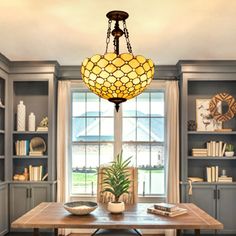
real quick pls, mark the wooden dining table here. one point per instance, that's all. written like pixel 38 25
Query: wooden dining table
pixel 51 215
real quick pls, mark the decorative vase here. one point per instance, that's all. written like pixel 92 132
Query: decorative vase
pixel 116 207
pixel 21 116
pixel 31 122
pixel 229 154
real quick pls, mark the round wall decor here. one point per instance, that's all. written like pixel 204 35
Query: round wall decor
pixel 222 97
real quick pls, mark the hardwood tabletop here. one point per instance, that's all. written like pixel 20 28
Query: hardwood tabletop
pixel 53 215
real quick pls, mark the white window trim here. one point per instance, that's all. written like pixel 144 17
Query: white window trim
pixel 80 86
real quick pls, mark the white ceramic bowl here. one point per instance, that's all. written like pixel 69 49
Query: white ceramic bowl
pixel 229 154
pixel 80 207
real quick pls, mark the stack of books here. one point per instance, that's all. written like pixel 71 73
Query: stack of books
pixel 22 147
pixel 199 152
pixel 216 149
pixel 42 128
pixel 213 149
pixel 212 173
pixel 36 153
pixel 225 179
pixel 166 209
pixel 36 173
pixel 224 130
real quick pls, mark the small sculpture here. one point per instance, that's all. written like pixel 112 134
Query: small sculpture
pixel 43 125
pixel 44 122
pixel 192 126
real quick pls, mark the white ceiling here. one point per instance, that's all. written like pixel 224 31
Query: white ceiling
pixel 163 30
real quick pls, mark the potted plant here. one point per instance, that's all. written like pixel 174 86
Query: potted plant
pixel 117 182
pixel 229 150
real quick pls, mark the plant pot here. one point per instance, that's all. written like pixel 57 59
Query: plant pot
pixel 116 207
pixel 229 154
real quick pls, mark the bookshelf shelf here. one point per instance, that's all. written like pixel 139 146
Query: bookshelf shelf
pixel 2 107
pixel 30 157
pixel 31 182
pixel 212 158
pixel 2 157
pixel 214 183
pixel 30 132
pixel 210 183
pixel 211 133
pixel 2 131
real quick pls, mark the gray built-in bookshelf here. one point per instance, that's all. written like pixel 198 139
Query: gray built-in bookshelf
pixel 2 128
pixel 35 96
pixel 203 80
pixel 3 147
pixel 35 85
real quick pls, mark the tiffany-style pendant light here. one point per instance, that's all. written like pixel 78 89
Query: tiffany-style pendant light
pixel 114 76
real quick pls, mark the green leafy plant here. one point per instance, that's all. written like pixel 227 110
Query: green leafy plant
pixel 116 177
pixel 229 148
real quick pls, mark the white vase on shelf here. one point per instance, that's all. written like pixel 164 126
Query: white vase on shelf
pixel 31 122
pixel 21 110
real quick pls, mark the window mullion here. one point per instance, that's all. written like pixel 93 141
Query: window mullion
pixel 117 131
pixel 85 156
pixel 150 147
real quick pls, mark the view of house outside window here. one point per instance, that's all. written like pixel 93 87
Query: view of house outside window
pixel 94 140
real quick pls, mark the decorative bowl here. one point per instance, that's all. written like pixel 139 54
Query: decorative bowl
pixel 229 154
pixel 80 207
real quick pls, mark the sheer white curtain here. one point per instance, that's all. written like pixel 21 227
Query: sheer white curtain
pixel 172 139
pixel 63 132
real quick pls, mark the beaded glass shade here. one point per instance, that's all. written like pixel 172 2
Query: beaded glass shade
pixel 114 76
pixel 117 76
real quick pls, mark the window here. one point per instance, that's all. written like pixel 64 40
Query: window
pixel 98 132
pixel 143 136
pixel 92 139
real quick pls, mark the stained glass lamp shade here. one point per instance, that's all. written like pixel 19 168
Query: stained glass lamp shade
pixel 117 77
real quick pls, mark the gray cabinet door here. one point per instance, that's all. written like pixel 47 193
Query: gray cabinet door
pixel 226 207
pixel 19 200
pixel 3 209
pixel 40 193
pixel 203 196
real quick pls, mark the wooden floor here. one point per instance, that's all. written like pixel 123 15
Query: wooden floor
pixel 49 234
pixel 137 235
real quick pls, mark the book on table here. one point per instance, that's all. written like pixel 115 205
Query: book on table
pixel 179 211
pixel 165 206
